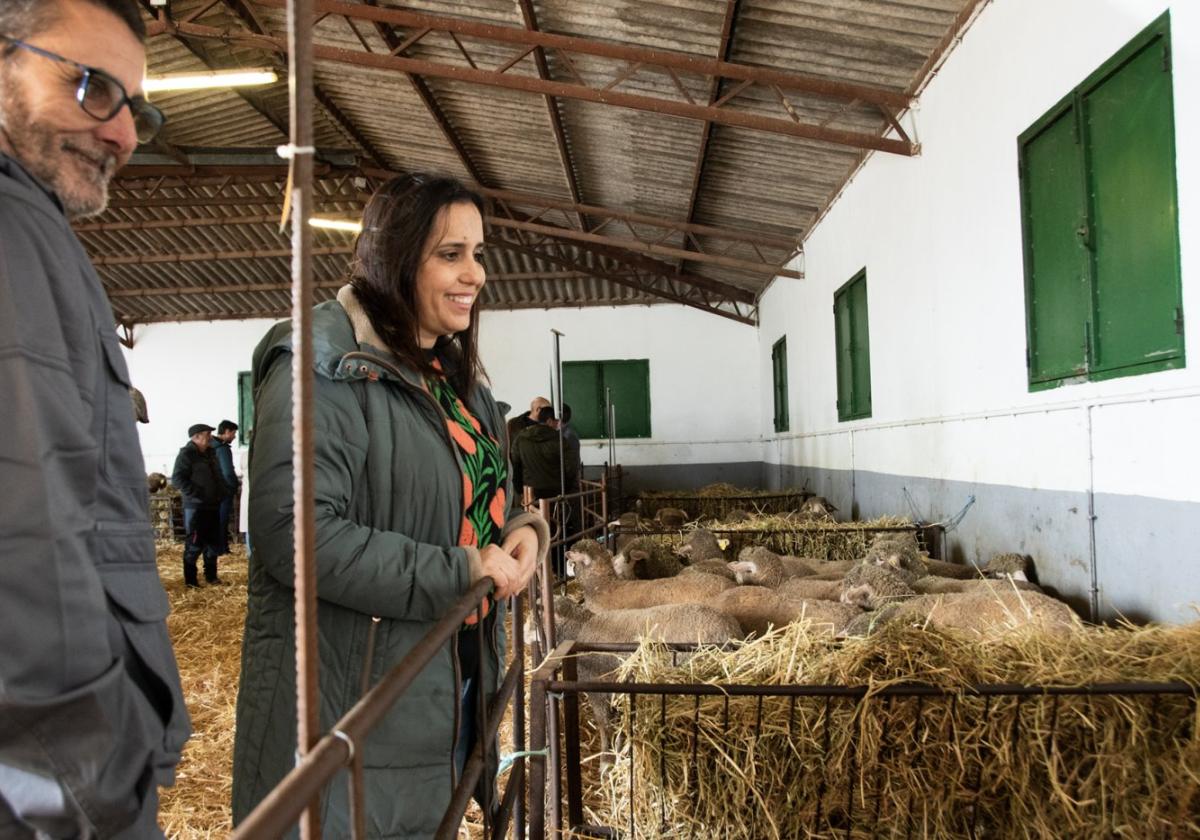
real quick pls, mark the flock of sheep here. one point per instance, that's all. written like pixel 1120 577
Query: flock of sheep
pixel 694 593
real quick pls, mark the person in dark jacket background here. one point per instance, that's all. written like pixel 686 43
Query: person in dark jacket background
pixel 92 717
pixel 197 477
pixel 413 507
pixel 226 432
pixel 536 458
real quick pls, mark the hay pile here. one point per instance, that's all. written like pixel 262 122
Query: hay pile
pixel 206 630
pixel 934 767
pixel 715 501
pixel 823 539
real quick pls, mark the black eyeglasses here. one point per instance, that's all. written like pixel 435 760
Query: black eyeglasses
pixel 101 96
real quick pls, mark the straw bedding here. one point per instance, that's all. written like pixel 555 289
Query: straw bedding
pixel 717 500
pixel 206 630
pixel 906 767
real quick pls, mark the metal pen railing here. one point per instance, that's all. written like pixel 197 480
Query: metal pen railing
pixel 546 683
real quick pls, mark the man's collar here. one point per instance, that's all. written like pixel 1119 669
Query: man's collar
pixel 16 170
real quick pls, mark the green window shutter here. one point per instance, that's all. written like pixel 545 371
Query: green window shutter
pixel 1057 296
pixel 845 367
pixel 860 347
pixel 245 391
pixel 1103 291
pixel 1131 179
pixel 583 390
pixel 629 385
pixel 780 384
pixel 851 332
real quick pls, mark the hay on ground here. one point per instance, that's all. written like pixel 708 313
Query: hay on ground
pixel 1079 767
pixel 716 501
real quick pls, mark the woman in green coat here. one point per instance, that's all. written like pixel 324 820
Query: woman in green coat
pixel 413 506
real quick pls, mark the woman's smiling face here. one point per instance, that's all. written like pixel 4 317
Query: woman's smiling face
pixel 451 274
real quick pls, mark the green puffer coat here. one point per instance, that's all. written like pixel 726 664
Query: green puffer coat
pixel 389 503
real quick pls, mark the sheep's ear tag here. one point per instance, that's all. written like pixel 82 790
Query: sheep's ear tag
pixel 722 544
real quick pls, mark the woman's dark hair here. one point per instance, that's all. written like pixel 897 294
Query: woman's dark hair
pixel 397 224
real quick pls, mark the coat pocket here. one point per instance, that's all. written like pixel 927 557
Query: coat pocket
pixel 139 636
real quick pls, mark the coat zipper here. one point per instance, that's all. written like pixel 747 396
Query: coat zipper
pixel 369 657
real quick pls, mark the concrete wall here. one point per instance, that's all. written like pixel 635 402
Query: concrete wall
pixel 953 417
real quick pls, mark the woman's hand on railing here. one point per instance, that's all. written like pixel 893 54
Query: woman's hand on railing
pixel 522 546
pixel 506 571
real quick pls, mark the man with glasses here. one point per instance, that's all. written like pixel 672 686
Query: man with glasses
pixel 91 712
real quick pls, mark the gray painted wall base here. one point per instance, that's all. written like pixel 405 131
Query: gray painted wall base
pixel 1147 550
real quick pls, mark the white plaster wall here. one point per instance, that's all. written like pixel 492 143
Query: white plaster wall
pixel 703 376
pixel 188 374
pixel 940 237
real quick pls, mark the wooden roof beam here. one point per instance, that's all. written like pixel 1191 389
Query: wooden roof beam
pixel 717 113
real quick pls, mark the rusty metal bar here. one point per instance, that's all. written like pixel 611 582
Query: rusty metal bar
pixel 570 704
pixel 308 725
pixel 646 248
pixel 476 762
pixel 280 809
pixel 639 285
pixel 211 256
pixel 527 84
pixel 699 65
pixel 538 701
pixel 519 740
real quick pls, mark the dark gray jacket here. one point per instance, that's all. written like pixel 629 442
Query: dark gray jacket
pixel 91 712
pixel 197 477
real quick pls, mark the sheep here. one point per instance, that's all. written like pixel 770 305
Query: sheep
pixel 671 623
pixel 818 507
pixel 592 566
pixel 156 481
pixel 871 587
pixel 709 567
pixel 988 615
pixel 896 552
pixel 810 588
pixel 671 518
pixel 646 559
pixel 758 609
pixel 762 567
pixel 701 544
pixel 737 515
pixel 1010 565
pixel 934 585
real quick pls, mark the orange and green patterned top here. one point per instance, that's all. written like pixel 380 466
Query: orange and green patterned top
pixel 484 468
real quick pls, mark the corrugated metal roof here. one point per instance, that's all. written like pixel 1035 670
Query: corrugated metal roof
pixel 625 161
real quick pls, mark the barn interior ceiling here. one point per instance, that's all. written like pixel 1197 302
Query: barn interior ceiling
pixel 633 151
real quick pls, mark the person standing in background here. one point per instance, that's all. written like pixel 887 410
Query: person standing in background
pixel 198 479
pixel 92 717
pixel 226 432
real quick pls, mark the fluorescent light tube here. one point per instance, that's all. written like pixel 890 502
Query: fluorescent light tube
pixel 213 79
pixel 348 225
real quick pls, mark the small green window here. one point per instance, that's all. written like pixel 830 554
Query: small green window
pixel 1099 216
pixel 626 383
pixel 853 349
pixel 245 420
pixel 779 383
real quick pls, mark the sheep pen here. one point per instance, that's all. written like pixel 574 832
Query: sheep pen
pixel 862 764
pixel 788 535
pixel 715 501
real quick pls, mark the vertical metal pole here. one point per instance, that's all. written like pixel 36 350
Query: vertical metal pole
pixel 1094 592
pixel 300 18
pixel 556 393
pixel 518 735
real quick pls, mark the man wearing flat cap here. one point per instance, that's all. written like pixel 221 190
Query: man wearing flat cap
pixel 198 479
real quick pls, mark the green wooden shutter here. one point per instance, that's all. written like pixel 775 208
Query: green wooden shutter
pixel 584 392
pixel 1131 181
pixel 245 391
pixel 860 351
pixel 780 384
pixel 629 384
pixel 845 365
pixel 1057 297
